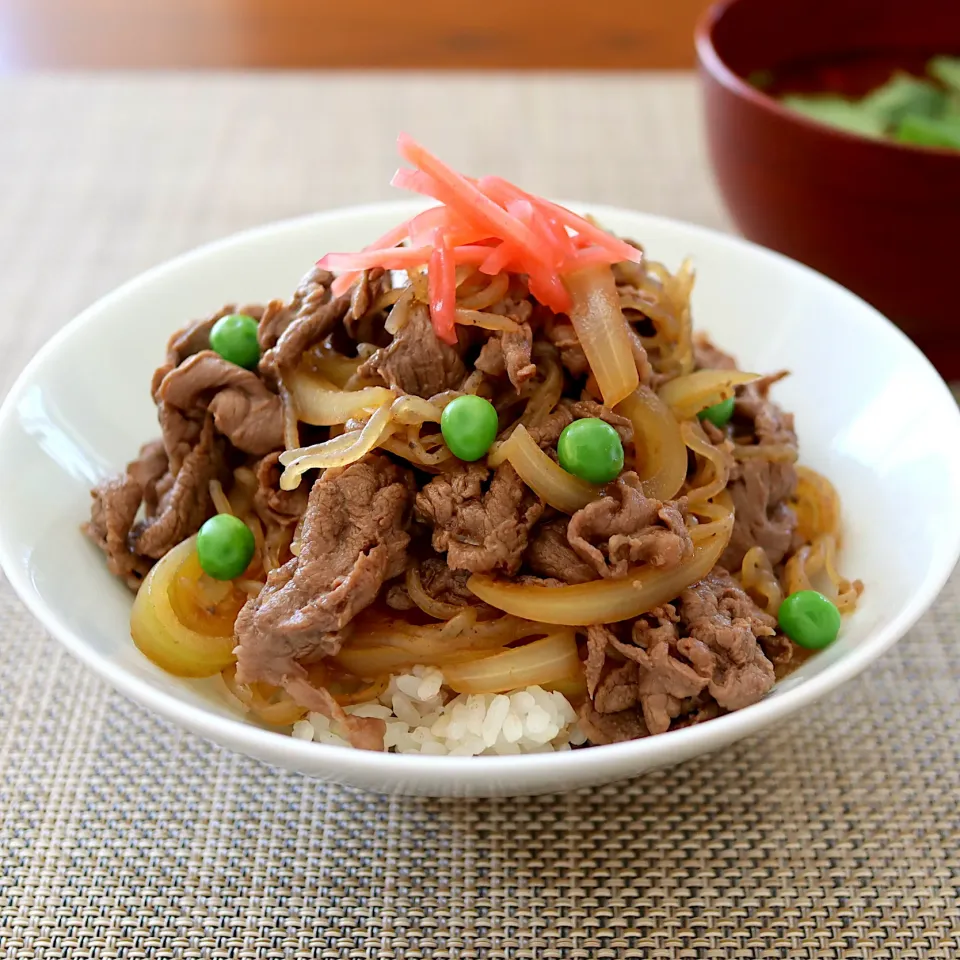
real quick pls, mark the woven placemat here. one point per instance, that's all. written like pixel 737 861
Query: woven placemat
pixel 836 835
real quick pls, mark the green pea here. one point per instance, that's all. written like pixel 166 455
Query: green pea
pixel 234 337
pixel 225 546
pixel 591 449
pixel 719 414
pixel 809 619
pixel 469 425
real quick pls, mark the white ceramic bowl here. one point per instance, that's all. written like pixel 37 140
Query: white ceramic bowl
pixel 871 412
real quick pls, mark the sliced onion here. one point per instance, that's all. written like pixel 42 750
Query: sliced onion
pixel 816 504
pixel 541 662
pixel 696 440
pixel 413 410
pixel 220 500
pixel 777 452
pixel 491 293
pixel 487 321
pixel 548 480
pixel 661 454
pixel 607 601
pixel 163 637
pixel 317 403
pixel 338 452
pixel 548 391
pixel 759 580
pixel 334 367
pixel 688 395
pixel 602 331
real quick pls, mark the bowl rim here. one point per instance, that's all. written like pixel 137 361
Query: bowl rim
pixel 717 67
pixel 292 753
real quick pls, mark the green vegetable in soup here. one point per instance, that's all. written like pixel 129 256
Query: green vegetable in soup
pixel 929 131
pixel 947 71
pixel 907 109
pixel 836 111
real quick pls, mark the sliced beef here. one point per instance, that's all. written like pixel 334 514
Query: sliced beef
pixel 721 627
pixel 283 507
pixel 185 503
pixel 175 505
pixel 761 488
pixel 564 338
pixel 417 361
pixel 688 660
pixel 481 527
pixel 550 554
pixel 151 472
pixel 625 528
pixel 244 410
pixel 708 357
pixel 617 690
pixel 195 337
pixel 365 293
pixel 115 505
pixel 306 309
pixel 598 638
pixel 603 728
pixel 509 353
pixel 354 538
pixel 566 411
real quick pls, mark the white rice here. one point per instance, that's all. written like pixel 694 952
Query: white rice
pixel 424 716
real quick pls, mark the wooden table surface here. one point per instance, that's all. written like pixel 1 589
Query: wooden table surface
pixel 515 34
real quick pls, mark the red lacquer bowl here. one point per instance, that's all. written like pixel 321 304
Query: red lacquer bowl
pixel 881 218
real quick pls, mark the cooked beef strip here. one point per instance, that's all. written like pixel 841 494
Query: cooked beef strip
pixel 626 527
pixel 308 303
pixel 510 353
pixel 354 538
pixel 272 504
pixel 710 642
pixel 564 338
pixel 550 554
pixel 708 357
pixel 115 505
pixel 721 627
pixel 548 432
pixel 603 728
pixel 480 530
pixel 175 505
pixel 186 502
pixel 244 410
pixel 371 285
pixel 760 488
pixel 417 361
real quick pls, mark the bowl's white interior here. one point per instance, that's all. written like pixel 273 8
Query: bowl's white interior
pixel 871 414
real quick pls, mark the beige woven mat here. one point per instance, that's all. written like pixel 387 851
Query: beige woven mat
pixel 837 835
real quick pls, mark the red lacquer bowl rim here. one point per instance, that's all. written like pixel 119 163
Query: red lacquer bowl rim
pixel 714 64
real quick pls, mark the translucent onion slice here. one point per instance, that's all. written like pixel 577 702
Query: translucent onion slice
pixel 816 504
pixel 487 321
pixel 317 402
pixel 688 395
pixel 160 634
pixel 338 452
pixel 607 601
pixel 413 410
pixel 759 580
pixel 541 662
pixel 602 331
pixel 696 440
pixel 661 454
pixel 548 480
